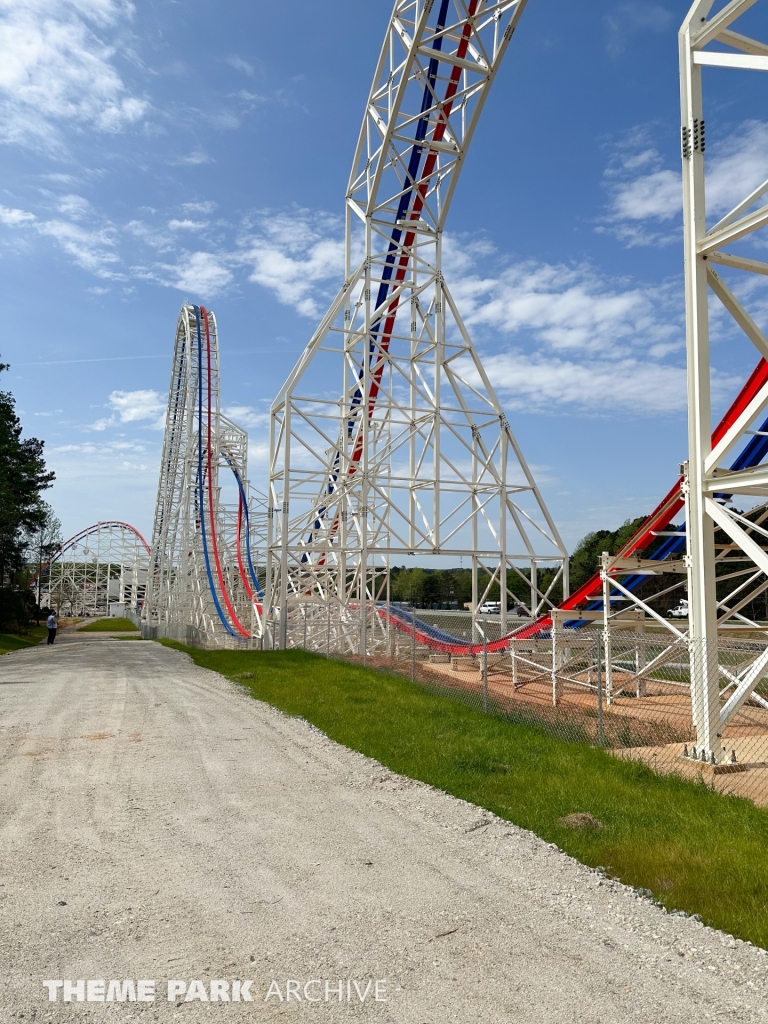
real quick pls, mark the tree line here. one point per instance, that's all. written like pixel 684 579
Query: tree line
pixel 427 588
pixel 441 588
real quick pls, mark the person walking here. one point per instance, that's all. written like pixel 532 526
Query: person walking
pixel 52 625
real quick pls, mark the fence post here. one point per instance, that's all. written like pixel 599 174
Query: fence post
pixel 364 631
pixel 640 660
pixel 600 735
pixel 608 649
pixel 413 644
pixel 304 607
pixel 514 667
pixel 328 630
pixel 607 628
pixel 555 633
pixel 485 673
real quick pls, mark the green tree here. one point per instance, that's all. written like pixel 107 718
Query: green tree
pixel 42 542
pixel 408 585
pixel 585 560
pixel 23 476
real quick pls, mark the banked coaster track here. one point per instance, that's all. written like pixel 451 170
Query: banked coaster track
pixel 589 596
pixel 416 145
pixel 203 584
pixel 622 577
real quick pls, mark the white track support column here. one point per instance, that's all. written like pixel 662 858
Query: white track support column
pixel 700 530
pixel 701 246
pixel 284 513
pixel 503 442
pixel 555 658
pixel 607 645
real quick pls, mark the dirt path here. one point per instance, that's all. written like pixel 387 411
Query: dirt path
pixel 156 823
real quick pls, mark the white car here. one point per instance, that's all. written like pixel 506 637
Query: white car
pixel 680 611
pixel 490 608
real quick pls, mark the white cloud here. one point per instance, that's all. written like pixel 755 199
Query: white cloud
pixel 246 416
pixel 644 206
pixel 555 335
pixel 737 167
pixel 240 65
pixel 576 340
pixel 197 156
pixel 132 407
pixel 654 195
pixel 186 225
pixel 92 250
pixel 570 308
pixel 74 206
pixel 150 236
pixel 296 256
pixel 54 68
pixel 593 386
pixel 14 217
pixel 136 405
pixel 96 247
pixel 626 19
pixel 106 447
pixel 199 273
pixel 208 206
pixel 252 97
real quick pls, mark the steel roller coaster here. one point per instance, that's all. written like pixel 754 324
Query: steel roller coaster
pixel 204 586
pixel 101 569
pixel 413 454
pixel 374 474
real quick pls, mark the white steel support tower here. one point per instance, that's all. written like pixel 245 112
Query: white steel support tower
pixel 709 482
pixel 203 584
pixel 388 440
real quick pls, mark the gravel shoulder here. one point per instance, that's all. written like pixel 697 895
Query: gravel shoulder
pixel 158 823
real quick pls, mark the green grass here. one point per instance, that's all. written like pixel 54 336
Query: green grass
pixel 115 625
pixel 695 849
pixel 14 642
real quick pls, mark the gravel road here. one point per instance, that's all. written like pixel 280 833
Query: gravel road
pixel 156 823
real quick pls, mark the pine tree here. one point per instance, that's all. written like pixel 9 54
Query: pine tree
pixel 23 476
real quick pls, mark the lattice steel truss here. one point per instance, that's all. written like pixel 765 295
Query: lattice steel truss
pixel 204 584
pixel 105 564
pixel 388 440
pixel 708 484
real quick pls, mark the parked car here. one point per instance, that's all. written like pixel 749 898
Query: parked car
pixel 490 608
pixel 680 611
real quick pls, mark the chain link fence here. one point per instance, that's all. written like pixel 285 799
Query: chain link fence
pixel 641 692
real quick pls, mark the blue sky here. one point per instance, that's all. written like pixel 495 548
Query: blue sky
pixel 157 151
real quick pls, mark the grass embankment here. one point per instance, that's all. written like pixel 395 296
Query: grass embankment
pixel 696 850
pixel 115 625
pixel 14 641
